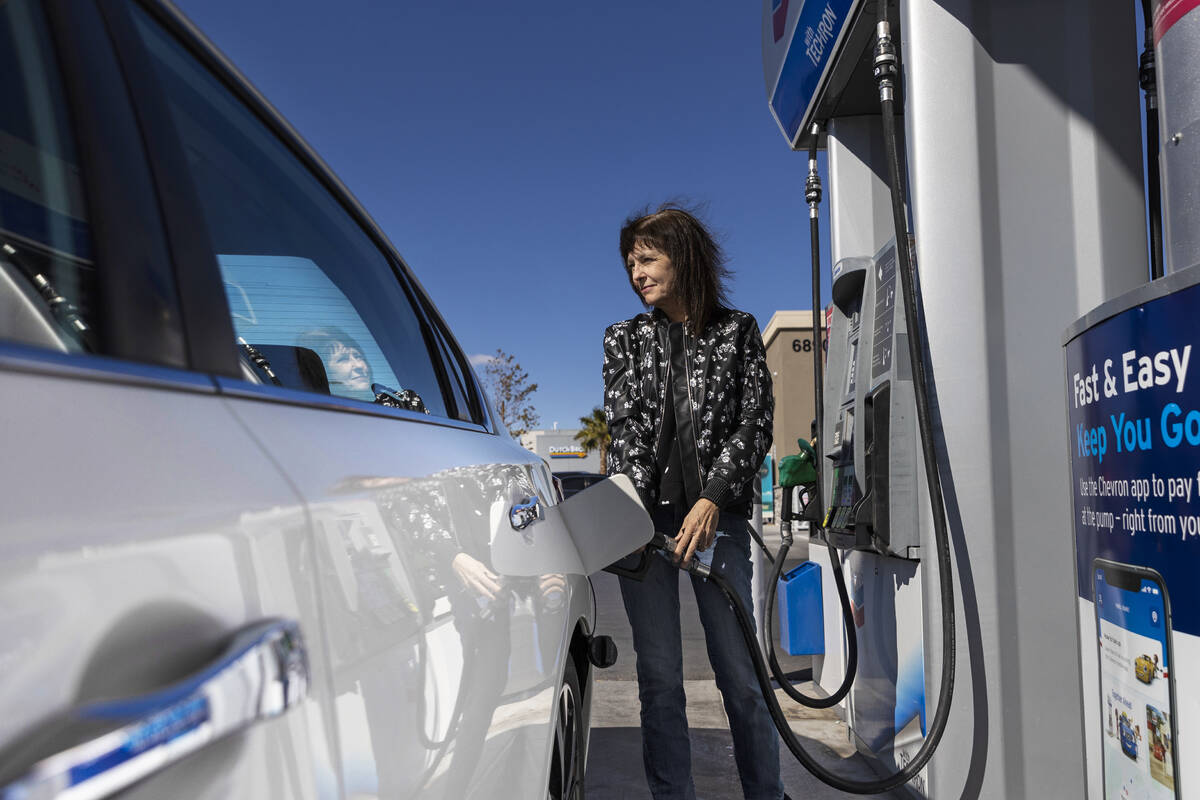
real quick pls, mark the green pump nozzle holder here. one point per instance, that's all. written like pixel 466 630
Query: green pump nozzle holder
pixel 797 470
pixel 800 469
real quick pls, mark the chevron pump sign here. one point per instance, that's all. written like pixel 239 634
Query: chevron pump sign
pixel 800 38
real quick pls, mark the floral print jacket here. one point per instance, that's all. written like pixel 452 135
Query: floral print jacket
pixel 729 389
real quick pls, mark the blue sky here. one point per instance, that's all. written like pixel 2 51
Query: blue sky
pixel 500 147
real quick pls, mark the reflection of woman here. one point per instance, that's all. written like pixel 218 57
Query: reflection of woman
pixel 345 364
pixel 689 405
pixel 444 519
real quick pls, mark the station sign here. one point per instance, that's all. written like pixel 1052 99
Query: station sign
pixel 569 451
pixel 800 40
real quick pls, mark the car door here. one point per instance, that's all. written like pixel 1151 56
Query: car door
pixel 443 670
pixel 157 572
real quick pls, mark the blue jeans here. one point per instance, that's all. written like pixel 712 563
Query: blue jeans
pixel 653 608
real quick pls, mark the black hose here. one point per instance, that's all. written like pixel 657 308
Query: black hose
pixel 745 623
pixel 762 545
pixel 1148 81
pixel 812 194
pixel 847 620
pixel 886 73
pixel 785 730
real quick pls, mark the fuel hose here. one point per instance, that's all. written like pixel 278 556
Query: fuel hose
pixel 886 74
pixel 746 625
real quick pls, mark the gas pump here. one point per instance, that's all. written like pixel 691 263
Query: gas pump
pixel 999 143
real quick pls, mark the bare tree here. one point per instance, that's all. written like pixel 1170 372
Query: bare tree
pixel 509 387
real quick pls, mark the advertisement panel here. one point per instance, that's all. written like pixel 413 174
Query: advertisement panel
pixel 1133 402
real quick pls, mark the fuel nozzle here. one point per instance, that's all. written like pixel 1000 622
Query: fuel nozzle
pixel 666 544
pixel 637 572
pixel 785 515
pixel 798 470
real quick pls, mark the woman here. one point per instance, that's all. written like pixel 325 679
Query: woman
pixel 348 370
pixel 688 398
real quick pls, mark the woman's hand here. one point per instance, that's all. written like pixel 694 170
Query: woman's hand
pixel 698 530
pixel 473 575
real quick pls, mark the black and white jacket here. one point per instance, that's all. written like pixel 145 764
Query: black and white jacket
pixel 718 382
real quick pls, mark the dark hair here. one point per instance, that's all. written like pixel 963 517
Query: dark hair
pixel 700 271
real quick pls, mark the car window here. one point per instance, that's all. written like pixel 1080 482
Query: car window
pixel 47 277
pixel 315 304
pixel 458 384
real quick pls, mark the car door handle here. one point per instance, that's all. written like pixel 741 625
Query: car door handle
pixel 114 743
pixel 522 515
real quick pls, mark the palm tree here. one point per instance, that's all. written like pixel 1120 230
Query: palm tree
pixel 593 435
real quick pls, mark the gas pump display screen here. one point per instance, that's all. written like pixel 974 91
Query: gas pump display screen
pixel 845 495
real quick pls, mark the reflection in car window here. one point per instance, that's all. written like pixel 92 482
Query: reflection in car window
pixel 274 301
pixel 302 277
pixel 47 277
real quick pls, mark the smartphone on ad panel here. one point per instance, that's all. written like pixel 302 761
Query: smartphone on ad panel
pixel 1137 683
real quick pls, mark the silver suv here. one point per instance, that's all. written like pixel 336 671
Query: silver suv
pixel 261 535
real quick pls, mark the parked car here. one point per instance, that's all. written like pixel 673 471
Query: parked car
pixel 261 534
pixel 575 482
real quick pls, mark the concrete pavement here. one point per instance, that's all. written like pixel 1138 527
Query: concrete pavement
pixel 615 758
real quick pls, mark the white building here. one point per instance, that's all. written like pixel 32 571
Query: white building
pixel 561 450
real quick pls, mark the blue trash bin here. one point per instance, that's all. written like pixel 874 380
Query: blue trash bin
pixel 801 621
